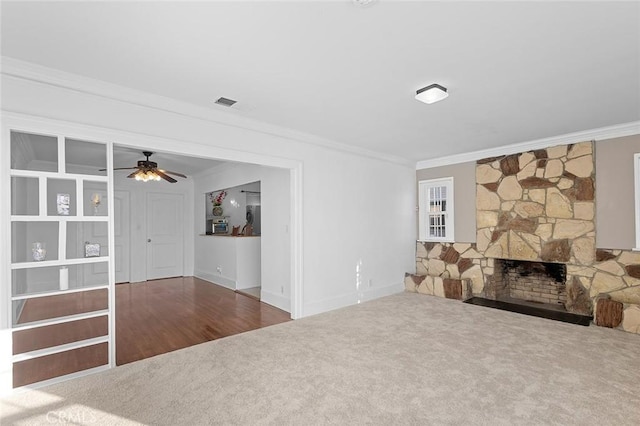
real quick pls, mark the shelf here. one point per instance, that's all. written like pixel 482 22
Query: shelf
pixel 65 262
pixel 57 183
pixel 59 320
pixel 57 175
pixel 25 218
pixel 57 292
pixel 61 348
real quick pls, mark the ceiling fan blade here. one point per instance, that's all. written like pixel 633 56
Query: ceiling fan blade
pixel 165 177
pixel 172 173
pixel 133 174
pixel 117 168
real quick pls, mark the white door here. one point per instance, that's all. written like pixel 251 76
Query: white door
pixel 165 237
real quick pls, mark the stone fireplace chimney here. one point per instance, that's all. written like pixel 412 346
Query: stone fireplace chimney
pixel 537 206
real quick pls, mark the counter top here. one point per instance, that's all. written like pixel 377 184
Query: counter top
pixel 229 235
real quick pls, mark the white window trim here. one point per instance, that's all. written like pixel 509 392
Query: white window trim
pixel 636 163
pixel 422 200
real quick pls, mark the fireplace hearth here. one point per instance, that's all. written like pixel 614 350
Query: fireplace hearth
pixel 532 309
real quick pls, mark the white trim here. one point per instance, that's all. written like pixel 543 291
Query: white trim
pixel 296 240
pixel 636 165
pixel 60 348
pixel 275 300
pixel 609 132
pixel 216 279
pixel 351 298
pixel 22 70
pixel 449 212
pixel 111 243
pixel 6 305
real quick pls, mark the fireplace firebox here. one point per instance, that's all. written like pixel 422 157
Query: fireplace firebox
pixel 540 282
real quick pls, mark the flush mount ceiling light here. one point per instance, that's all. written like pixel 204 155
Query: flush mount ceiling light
pixel 432 93
pixel 363 3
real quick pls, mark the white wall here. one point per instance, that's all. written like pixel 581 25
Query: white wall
pixel 358 211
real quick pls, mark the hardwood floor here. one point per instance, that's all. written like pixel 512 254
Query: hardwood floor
pixel 160 316
pixel 152 318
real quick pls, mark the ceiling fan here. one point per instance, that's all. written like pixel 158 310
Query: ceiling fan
pixel 148 170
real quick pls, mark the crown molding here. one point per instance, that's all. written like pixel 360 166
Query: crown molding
pixel 602 133
pixel 23 70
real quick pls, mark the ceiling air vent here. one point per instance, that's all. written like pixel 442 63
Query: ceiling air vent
pixel 225 102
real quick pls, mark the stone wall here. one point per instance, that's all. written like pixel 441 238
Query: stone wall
pixel 538 205
pixel 615 273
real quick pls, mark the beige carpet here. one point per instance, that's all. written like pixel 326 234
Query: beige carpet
pixel 403 359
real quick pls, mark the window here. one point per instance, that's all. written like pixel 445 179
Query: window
pixel 436 210
pixel 636 162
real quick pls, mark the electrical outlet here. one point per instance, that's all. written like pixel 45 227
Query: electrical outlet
pixel 281 289
pixel 370 282
pixel 219 269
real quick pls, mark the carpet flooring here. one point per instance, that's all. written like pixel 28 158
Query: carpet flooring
pixel 404 359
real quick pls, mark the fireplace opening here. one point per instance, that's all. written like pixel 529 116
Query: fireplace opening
pixel 530 288
pixel 537 282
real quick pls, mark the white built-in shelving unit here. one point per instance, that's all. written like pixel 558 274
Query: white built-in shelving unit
pixel 66 293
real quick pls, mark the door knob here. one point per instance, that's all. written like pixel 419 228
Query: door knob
pixel 148 240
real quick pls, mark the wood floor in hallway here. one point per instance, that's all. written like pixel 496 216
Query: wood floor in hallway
pixel 159 316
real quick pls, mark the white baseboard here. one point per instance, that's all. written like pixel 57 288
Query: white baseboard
pixel 277 300
pixel 351 299
pixel 216 279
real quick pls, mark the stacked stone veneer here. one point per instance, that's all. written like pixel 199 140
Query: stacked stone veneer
pixel 614 275
pixel 537 206
pixel 437 262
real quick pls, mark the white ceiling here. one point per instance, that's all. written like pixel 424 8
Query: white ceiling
pixel 516 71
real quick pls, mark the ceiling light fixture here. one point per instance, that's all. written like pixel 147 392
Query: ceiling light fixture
pixel 432 93
pixel 363 3
pixel 146 175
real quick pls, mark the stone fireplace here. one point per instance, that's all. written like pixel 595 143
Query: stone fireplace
pixel 535 214
pixel 540 282
pixel 535 241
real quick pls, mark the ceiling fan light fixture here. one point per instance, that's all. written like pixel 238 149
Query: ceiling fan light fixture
pixel 432 93
pixel 146 176
pixel 148 171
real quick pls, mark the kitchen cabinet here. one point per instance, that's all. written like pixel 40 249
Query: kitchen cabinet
pixel 231 261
